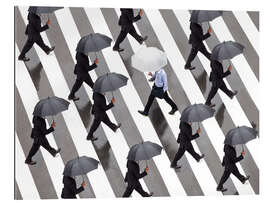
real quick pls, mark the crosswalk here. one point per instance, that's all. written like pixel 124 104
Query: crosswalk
pixel 111 149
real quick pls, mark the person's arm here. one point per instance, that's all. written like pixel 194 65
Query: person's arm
pixel 195 136
pixel 37 26
pixel 93 66
pixel 198 34
pixel 233 158
pixel 41 125
pixel 164 80
pixel 72 187
pixel 225 74
pixel 137 173
pixel 102 104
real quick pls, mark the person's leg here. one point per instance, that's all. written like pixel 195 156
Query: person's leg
pixel 107 121
pixel 140 190
pixel 122 35
pixel 88 80
pixel 132 31
pixel 32 152
pixel 178 155
pixel 224 178
pixel 238 175
pixel 169 100
pixel 48 147
pixel 149 103
pixel 94 127
pixel 204 51
pixel 28 45
pixel 39 41
pixel 192 152
pixel 192 55
pixel 211 94
pixel 224 88
pixel 78 83
pixel 128 191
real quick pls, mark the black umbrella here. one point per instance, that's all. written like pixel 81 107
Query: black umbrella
pixel 80 166
pixel 240 135
pixel 144 151
pixel 50 106
pixel 109 82
pixel 93 42
pixel 227 50
pixel 199 16
pixel 43 9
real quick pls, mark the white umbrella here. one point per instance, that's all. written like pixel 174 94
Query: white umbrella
pixel 149 59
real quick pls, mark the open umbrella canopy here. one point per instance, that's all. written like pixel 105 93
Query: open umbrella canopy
pixel 93 42
pixel 43 9
pixel 109 82
pixel 144 151
pixel 50 106
pixel 197 113
pixel 80 166
pixel 227 50
pixel 148 59
pixel 199 16
pixel 240 135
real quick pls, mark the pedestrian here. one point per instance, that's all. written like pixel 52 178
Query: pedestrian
pixel 82 68
pixel 132 178
pixel 216 77
pixel 126 21
pixel 39 133
pixel 196 40
pixel 99 110
pixel 184 139
pixel 229 162
pixel 70 189
pixel 159 90
pixel 33 30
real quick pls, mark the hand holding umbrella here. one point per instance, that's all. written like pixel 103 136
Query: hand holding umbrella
pixel 53 124
pixel 83 184
pixel 230 68
pixel 140 12
pixel 199 130
pixel 113 100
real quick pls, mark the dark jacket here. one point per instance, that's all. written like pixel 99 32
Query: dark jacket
pixel 39 130
pixel 127 17
pixel 82 67
pixel 100 107
pixel 230 158
pixel 217 74
pixel 196 37
pixel 133 174
pixel 34 27
pixel 185 136
pixel 70 190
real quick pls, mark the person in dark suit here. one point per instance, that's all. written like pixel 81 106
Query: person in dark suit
pixel 132 178
pixel 126 21
pixel 99 110
pixel 81 70
pixel 39 133
pixel 70 190
pixel 33 30
pixel 216 77
pixel 229 162
pixel 184 138
pixel 196 40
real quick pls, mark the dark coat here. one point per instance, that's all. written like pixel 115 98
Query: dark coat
pixel 133 174
pixel 100 107
pixel 127 17
pixel 185 136
pixel 34 27
pixel 230 158
pixel 196 37
pixel 70 190
pixel 39 131
pixel 217 74
pixel 82 67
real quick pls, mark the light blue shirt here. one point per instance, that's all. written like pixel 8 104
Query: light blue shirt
pixel 161 79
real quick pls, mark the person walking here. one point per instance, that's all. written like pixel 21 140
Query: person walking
pixel 99 110
pixel 39 133
pixel 81 70
pixel 70 189
pixel 159 90
pixel 132 178
pixel 229 162
pixel 196 40
pixel 33 30
pixel 126 21
pixel 184 139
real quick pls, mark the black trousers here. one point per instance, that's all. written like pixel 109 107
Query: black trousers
pixel 214 90
pixel 152 97
pixel 78 83
pixel 36 145
pixel 98 119
pixel 181 151
pixel 193 53
pixel 29 44
pixel 138 188
pixel 130 29
pixel 226 175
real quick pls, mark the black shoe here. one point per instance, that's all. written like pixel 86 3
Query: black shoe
pixel 30 162
pixel 222 189
pixel 234 93
pixel 118 49
pixel 173 111
pixel 175 166
pixel 210 105
pixel 73 98
pixel 50 50
pixel 92 138
pixel 190 68
pixel 118 126
pixel 143 113
pixel 57 151
pixel 143 39
pixel 201 157
pixel 246 178
pixel 150 194
pixel 23 59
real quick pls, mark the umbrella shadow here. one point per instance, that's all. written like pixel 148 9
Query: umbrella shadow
pixel 220 115
pixel 85 113
pixel 202 81
pixel 104 154
pixel 35 74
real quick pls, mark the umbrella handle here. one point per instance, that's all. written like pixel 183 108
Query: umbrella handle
pixel 242 148
pixel 96 54
pixel 112 94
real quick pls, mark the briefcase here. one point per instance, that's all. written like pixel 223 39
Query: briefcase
pixel 157 92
